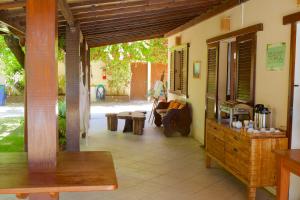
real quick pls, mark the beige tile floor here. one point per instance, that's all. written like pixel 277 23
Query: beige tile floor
pixel 153 167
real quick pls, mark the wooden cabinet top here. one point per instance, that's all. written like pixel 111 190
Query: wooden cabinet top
pixel 243 132
pixel 75 171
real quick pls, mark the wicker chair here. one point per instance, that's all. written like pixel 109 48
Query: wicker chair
pixel 173 119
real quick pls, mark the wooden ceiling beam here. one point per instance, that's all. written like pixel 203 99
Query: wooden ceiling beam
pixel 136 19
pixel 142 4
pixel 12 25
pixel 140 9
pixel 147 29
pixel 92 2
pixel 133 26
pixel 11 5
pixel 66 12
pixel 151 14
pixel 210 13
pixel 122 40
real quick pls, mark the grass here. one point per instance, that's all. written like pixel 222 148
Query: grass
pixel 11 134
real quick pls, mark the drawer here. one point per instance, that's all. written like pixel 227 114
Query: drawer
pixel 215 147
pixel 237 138
pixel 242 153
pixel 238 166
pixel 215 129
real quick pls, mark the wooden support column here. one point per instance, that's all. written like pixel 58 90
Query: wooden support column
pixel 72 87
pixel 88 59
pixel 41 82
pixel 41 87
pixel 84 61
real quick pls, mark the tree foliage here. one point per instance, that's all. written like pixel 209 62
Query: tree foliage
pixel 117 59
pixel 11 68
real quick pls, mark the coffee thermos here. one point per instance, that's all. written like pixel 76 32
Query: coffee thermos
pixel 262 116
pixel 257 110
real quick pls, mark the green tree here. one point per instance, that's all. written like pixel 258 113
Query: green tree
pixel 117 59
pixel 11 68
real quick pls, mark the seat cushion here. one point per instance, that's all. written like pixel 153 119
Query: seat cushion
pixel 174 105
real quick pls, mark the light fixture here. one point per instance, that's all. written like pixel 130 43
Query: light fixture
pixel 225 24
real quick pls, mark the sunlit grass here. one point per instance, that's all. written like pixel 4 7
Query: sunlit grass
pixel 11 134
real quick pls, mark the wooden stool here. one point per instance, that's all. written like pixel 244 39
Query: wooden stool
pixel 138 124
pixel 112 121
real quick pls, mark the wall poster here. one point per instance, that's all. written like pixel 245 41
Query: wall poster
pixel 276 56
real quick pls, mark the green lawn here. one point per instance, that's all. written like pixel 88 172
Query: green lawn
pixel 11 134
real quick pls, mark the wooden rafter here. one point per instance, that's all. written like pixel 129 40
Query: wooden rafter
pixel 12 25
pixel 66 12
pixel 13 4
pixel 212 12
pixel 119 20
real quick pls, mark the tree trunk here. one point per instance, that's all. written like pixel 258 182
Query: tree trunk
pixel 14 45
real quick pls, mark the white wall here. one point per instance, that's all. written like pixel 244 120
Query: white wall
pixel 271 86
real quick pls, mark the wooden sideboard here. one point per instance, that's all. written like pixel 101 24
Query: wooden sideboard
pixel 249 157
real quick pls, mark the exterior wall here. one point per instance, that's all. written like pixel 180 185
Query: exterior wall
pixel 268 92
pixel 271 86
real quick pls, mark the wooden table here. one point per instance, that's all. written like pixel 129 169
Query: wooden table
pixel 133 119
pixel 75 172
pixel 287 161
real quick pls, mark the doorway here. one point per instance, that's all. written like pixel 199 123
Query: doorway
pixel 139 80
pixel 295 140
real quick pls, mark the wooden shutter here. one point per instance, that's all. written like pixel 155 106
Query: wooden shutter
pixel 246 58
pixel 212 79
pixel 185 72
pixel 172 74
pixel 179 70
pixel 178 65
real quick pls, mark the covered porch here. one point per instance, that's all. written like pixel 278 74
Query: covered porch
pixel 222 53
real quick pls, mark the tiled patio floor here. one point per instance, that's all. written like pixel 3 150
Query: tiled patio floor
pixel 153 167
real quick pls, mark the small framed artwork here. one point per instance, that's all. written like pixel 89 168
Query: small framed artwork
pixel 196 69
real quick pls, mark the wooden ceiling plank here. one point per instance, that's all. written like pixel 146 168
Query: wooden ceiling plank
pixel 125 40
pixel 133 30
pixel 13 26
pixel 140 9
pixel 65 10
pixel 133 26
pixel 136 19
pixel 223 7
pixel 157 14
pixel 92 2
pixel 13 4
pixel 147 5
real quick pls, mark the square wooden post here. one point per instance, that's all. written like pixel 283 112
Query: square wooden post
pixel 84 61
pixel 88 59
pixel 73 87
pixel 41 83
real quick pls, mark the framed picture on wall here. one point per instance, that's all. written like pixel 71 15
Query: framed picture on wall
pixel 196 69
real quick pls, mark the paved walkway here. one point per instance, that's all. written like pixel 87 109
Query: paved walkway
pixel 12 110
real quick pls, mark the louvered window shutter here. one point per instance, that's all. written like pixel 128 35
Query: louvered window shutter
pixel 185 64
pixel 179 70
pixel 246 55
pixel 212 77
pixel 172 72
